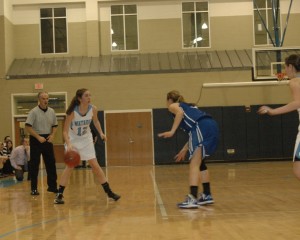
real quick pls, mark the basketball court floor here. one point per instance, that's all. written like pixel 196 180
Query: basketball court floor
pixel 252 201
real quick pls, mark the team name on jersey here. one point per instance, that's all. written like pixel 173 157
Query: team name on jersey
pixel 82 122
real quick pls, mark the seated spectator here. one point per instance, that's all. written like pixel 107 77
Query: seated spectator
pixel 3 159
pixel 6 138
pixel 19 159
pixel 7 168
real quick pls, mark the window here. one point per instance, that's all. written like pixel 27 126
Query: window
pixel 53 30
pixel 263 9
pixel 195 24
pixel 124 29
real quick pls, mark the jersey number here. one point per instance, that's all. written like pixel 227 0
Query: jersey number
pixel 82 131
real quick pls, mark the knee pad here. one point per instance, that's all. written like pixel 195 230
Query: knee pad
pixel 202 166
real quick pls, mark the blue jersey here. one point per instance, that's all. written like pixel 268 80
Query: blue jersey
pixel 191 116
pixel 202 129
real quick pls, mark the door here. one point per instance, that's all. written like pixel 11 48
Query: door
pixel 129 139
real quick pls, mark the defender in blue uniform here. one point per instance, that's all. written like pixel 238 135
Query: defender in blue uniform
pixel 203 138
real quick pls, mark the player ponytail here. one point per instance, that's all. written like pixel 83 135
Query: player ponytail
pixel 75 101
pixel 176 97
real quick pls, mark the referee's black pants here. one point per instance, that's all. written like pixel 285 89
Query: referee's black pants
pixel 46 150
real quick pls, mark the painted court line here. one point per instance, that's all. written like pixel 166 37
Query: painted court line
pixel 160 203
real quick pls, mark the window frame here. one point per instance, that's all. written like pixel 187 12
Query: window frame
pixel 265 9
pixel 124 27
pixel 53 30
pixel 195 12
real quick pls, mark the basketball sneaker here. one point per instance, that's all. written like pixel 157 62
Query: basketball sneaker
pixel 189 203
pixel 113 196
pixel 59 199
pixel 34 192
pixel 205 199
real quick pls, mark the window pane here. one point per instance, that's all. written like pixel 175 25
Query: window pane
pixel 202 38
pixel 129 9
pixel 188 6
pixel 259 3
pixel 47 35
pixel 260 31
pixel 60 35
pixel 201 6
pixel 118 33
pixel 46 12
pixel 269 3
pixel 188 29
pixel 59 12
pixel 117 9
pixel 131 32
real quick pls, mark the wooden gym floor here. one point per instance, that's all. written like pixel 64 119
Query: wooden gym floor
pixel 252 201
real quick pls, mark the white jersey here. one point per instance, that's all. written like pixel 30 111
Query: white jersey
pixel 80 133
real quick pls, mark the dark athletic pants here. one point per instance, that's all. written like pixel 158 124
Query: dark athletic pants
pixel 46 150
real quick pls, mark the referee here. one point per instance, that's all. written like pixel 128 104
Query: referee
pixel 41 124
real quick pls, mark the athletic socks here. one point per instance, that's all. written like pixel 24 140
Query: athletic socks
pixel 61 189
pixel 106 187
pixel 194 191
pixel 206 188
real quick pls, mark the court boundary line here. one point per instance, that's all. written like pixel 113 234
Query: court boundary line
pixel 159 200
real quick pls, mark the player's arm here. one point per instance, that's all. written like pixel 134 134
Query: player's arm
pixel 67 125
pixel 97 123
pixel 178 112
pixel 291 106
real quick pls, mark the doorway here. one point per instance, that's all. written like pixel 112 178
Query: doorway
pixel 129 138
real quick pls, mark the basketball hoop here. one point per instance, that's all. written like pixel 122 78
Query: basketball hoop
pixel 281 76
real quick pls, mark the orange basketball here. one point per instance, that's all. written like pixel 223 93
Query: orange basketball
pixel 72 158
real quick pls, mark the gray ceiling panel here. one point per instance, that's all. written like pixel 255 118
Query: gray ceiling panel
pixel 214 60
pixel 174 61
pixel 194 61
pixel 94 65
pixel 105 63
pixel 164 61
pixel 234 59
pixel 184 61
pixel 134 63
pixel 224 59
pixel 244 58
pixel 154 62
pixel 75 65
pixel 145 66
pixel 204 60
pixel 85 65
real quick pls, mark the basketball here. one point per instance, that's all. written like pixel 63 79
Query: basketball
pixel 72 158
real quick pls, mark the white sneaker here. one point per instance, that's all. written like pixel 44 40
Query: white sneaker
pixel 189 203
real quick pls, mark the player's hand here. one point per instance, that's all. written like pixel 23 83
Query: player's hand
pixel 181 155
pixel 69 147
pixel 103 137
pixel 166 134
pixel 265 110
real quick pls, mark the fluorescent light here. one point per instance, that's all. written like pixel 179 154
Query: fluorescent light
pixel 204 26
pixel 198 39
